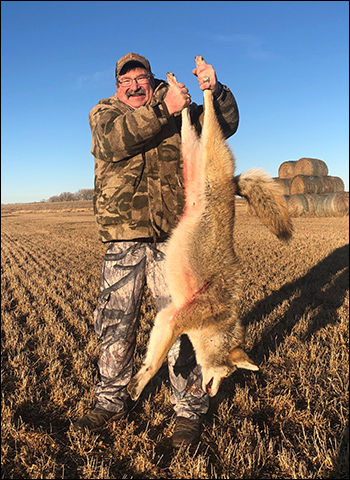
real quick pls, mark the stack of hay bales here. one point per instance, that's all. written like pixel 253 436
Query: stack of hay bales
pixel 309 190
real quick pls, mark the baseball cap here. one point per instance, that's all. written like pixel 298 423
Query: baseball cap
pixel 132 57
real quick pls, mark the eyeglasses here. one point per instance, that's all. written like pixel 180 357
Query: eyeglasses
pixel 141 80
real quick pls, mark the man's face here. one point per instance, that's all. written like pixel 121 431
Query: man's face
pixel 135 95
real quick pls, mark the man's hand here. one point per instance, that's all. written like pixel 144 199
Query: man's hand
pixel 177 98
pixel 206 76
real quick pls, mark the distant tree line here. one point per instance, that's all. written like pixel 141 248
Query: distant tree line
pixel 82 194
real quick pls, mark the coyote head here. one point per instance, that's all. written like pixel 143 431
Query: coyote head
pixel 215 372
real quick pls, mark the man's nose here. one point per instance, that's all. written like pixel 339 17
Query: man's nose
pixel 134 85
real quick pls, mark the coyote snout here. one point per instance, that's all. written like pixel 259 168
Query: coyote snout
pixel 202 268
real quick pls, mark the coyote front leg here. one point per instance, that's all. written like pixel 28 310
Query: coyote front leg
pixel 163 335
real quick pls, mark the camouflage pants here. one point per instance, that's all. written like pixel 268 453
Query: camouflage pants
pixel 127 267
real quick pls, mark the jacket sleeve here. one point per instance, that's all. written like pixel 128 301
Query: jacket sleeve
pixel 117 135
pixel 226 109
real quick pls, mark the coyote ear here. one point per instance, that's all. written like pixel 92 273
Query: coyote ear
pixel 239 358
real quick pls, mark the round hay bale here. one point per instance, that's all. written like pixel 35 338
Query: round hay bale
pixel 316 184
pixel 315 204
pixel 310 166
pixel 301 184
pixel 336 204
pixel 297 205
pixel 333 184
pixel 284 183
pixel 286 169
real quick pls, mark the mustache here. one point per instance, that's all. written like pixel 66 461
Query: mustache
pixel 136 93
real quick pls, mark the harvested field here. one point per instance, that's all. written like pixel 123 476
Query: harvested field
pixel 289 420
pixel 47 207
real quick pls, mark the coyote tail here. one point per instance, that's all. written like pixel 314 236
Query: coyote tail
pixel 266 198
pixel 260 190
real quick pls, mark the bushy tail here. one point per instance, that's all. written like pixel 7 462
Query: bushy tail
pixel 266 198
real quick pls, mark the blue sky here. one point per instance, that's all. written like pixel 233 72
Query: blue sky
pixel 286 63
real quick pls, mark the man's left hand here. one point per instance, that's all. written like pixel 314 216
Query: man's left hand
pixel 206 77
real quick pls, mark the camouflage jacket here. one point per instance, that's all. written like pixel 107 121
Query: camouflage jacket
pixel 138 164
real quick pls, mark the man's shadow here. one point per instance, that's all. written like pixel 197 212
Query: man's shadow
pixel 319 293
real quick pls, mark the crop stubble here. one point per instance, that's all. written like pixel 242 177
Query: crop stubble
pixel 287 421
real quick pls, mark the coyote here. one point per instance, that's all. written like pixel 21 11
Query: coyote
pixel 202 269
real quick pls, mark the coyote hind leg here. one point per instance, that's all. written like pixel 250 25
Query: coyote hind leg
pixel 192 152
pixel 163 336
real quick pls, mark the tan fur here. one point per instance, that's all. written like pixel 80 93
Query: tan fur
pixel 202 268
pixel 266 197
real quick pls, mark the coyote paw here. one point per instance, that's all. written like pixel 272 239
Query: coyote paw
pixel 171 77
pixel 139 381
pixel 199 60
pixel 134 388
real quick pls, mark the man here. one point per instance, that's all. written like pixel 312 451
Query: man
pixel 138 199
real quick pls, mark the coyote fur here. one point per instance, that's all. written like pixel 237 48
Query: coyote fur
pixel 202 269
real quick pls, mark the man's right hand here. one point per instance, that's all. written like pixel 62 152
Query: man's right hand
pixel 177 98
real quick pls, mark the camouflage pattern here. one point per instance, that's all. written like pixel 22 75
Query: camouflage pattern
pixel 132 57
pixel 138 163
pixel 127 267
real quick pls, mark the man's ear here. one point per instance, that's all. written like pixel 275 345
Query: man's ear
pixel 239 358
